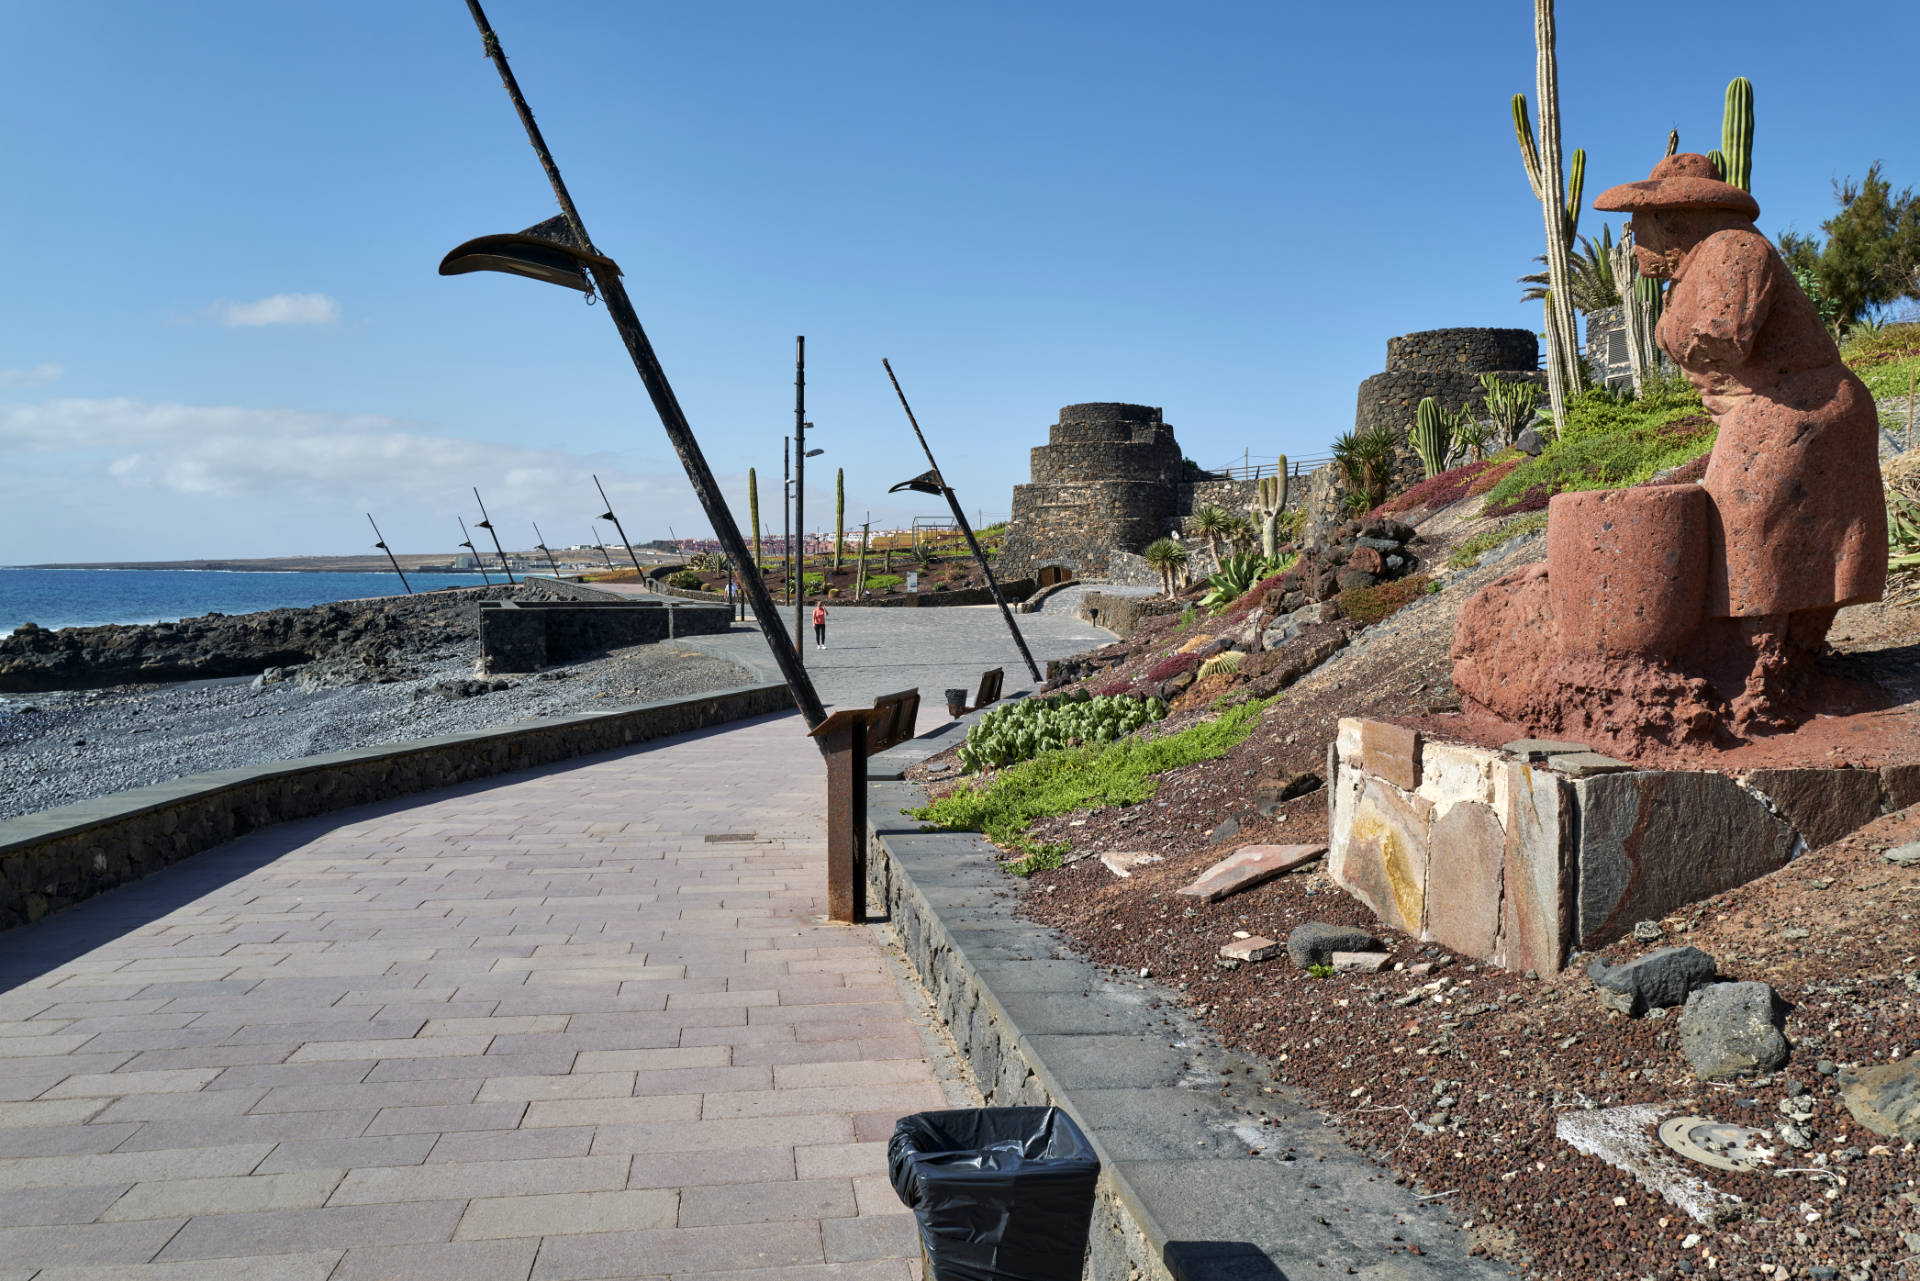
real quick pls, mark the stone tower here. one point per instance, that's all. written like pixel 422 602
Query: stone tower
pixel 1110 477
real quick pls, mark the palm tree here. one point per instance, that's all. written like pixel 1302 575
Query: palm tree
pixel 1166 558
pixel 1365 464
pixel 1590 281
pixel 1211 522
pixel 1239 533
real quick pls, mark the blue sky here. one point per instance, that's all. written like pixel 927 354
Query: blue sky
pixel 223 333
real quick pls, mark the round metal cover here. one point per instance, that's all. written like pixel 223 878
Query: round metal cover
pixel 1718 1144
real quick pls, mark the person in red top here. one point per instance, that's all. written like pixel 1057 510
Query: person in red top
pixel 820 624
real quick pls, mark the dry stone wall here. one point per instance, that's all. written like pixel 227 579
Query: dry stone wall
pixel 1445 364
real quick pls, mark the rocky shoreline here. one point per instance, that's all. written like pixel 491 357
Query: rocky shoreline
pixel 368 640
pixel 105 709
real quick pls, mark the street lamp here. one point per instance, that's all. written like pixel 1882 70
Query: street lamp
pixel 478 564
pixel 559 251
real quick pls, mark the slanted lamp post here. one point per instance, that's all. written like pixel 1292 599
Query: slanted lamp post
pixel 488 526
pixel 467 542
pixel 381 543
pixel 930 482
pixel 618 528
pixel 542 545
pixel 560 252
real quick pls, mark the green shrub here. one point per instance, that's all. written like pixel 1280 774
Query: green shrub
pixel 1609 444
pixel 1092 777
pixel 685 578
pixel 1022 730
pixel 813 582
pixel 1376 604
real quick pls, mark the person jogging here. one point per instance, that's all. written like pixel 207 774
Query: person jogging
pixel 820 625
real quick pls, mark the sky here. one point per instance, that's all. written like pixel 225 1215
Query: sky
pixel 223 333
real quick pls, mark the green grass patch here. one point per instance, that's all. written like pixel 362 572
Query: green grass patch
pixel 883 582
pixel 1609 444
pixel 1094 777
pixel 1468 554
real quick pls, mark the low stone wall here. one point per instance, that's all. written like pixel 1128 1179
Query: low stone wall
pixel 517 636
pixel 1122 614
pixel 1522 860
pixel 1014 589
pixel 59 857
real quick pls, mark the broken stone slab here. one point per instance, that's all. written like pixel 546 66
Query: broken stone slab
pixel 1314 942
pixel 1732 1029
pixel 1248 866
pixel 1586 764
pixel 1884 1097
pixel 1358 962
pixel 1540 748
pixel 1822 804
pixel 1391 753
pixel 1662 978
pixel 1122 862
pixel 1907 855
pixel 1254 948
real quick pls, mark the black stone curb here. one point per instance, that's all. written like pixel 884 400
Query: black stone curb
pixel 58 857
pixel 1175 1117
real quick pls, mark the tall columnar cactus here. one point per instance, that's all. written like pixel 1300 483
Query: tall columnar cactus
pixel 1736 134
pixel 1269 500
pixel 860 568
pixel 1432 436
pixel 1541 160
pixel 839 514
pixel 753 515
pixel 1719 162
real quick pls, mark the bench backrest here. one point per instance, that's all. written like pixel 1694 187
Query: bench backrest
pixel 989 687
pixel 895 725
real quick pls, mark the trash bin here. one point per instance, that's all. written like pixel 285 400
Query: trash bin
pixel 957 702
pixel 1001 1194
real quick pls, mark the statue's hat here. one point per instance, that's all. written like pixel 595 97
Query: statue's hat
pixel 1685 181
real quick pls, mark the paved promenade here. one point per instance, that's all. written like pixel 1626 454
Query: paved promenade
pixel 579 1023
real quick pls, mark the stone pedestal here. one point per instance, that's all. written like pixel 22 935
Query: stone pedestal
pixel 1523 857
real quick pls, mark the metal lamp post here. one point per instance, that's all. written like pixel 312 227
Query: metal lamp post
pixel 618 528
pixel 597 542
pixel 488 526
pixel 467 542
pixel 381 543
pixel 542 545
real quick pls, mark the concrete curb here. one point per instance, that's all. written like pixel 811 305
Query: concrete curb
pixel 1206 1173
pixel 59 857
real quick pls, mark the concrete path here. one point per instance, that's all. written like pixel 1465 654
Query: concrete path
pixel 582 1023
pixel 876 650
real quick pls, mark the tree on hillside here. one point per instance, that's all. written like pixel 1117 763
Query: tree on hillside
pixel 1871 256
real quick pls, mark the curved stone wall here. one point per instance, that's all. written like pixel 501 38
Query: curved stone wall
pixel 1445 364
pixel 1474 350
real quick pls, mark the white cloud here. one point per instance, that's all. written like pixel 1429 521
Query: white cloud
pixel 31 375
pixel 280 309
pixel 294 456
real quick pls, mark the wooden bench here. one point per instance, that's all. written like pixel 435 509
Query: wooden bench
pixel 989 692
pixel 895 717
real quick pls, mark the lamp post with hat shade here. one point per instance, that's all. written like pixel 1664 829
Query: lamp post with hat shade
pixel 542 545
pixel 559 251
pixel 381 543
pixel 466 541
pixel 618 528
pixel 487 525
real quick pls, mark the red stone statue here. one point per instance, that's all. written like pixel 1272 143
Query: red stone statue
pixel 1690 614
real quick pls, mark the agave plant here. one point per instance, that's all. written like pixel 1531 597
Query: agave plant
pixel 1166 558
pixel 1232 580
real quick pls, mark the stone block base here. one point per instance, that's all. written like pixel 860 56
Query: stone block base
pixel 1524 859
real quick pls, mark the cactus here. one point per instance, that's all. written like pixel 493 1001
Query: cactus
pixel 1673 141
pixel 1719 163
pixel 1432 436
pixel 1736 134
pixel 1559 207
pixel 753 515
pixel 1576 181
pixel 860 568
pixel 1269 500
pixel 839 514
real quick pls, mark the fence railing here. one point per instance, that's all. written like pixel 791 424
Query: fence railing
pixel 1296 467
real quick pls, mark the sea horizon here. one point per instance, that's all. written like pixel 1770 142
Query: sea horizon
pixel 59 598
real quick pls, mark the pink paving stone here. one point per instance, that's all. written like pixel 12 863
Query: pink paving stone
pixel 1391 753
pixel 1248 866
pixel 1358 962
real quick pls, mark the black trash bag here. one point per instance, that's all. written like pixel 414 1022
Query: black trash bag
pixel 1001 1194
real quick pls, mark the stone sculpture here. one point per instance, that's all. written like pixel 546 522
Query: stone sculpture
pixel 1689 615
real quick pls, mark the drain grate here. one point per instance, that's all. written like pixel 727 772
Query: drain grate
pixel 1718 1144
pixel 721 838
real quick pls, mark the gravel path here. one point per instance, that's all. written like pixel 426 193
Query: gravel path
pixel 56 748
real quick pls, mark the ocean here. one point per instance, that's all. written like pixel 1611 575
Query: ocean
pixel 56 598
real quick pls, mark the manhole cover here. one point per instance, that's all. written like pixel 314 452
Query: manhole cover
pixel 1716 1143
pixel 716 838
